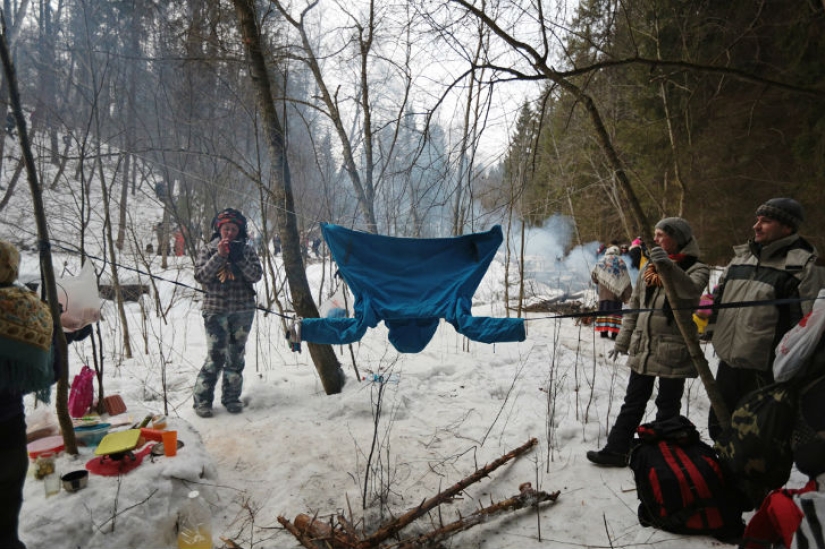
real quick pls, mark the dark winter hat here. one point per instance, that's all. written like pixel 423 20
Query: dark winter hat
pixel 230 215
pixel 677 228
pixel 785 210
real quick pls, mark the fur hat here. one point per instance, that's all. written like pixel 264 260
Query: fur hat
pixel 229 215
pixel 9 262
pixel 677 228
pixel 785 210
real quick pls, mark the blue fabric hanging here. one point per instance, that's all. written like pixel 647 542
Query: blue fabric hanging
pixel 410 283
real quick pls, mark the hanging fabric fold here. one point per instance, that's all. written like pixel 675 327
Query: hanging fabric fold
pixel 411 283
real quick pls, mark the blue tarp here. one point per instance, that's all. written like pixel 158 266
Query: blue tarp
pixel 410 283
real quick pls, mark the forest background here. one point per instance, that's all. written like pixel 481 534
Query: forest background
pixel 395 115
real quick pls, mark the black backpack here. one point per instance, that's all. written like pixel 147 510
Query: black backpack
pixel 680 483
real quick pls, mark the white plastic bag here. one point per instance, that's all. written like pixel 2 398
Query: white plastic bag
pixel 336 305
pixel 800 341
pixel 80 299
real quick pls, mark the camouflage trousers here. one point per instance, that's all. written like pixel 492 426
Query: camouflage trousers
pixel 226 336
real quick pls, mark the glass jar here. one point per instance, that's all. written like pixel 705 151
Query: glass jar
pixel 44 465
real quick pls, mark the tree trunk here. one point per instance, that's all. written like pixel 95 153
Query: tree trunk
pixel 323 356
pixel 46 265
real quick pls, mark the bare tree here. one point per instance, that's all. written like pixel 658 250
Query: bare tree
pixel 323 356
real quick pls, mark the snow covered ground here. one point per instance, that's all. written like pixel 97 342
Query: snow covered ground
pixel 438 416
pixel 443 413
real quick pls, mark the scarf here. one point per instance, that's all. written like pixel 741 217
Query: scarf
pixel 25 343
pixel 611 272
pixel 653 280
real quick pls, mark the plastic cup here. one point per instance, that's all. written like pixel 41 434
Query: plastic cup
pixel 170 443
pixel 51 483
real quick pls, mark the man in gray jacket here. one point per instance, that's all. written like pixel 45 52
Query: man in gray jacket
pixel 777 264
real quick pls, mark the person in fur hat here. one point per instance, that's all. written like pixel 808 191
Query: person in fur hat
pixel 227 268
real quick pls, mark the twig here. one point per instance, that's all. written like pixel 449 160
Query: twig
pixel 116 512
pixel 292 529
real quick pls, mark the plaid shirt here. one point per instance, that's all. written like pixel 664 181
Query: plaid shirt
pixel 230 295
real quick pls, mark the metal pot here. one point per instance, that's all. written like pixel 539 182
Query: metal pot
pixel 74 481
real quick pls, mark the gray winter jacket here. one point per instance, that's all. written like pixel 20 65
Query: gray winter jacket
pixel 746 337
pixel 652 338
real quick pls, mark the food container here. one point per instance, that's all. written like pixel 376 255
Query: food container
pixel 151 434
pixel 53 445
pixel 91 435
pixel 44 465
pixel 159 423
pixel 76 480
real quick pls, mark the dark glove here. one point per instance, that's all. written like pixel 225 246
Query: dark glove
pixel 236 250
pixel 659 257
pixel 614 354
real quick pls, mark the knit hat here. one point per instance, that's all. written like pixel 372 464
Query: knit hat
pixel 785 210
pixel 9 262
pixel 677 228
pixel 230 215
pixel 613 250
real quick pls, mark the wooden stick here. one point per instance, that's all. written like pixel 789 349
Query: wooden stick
pixel 304 540
pixel 527 497
pixel 692 342
pixel 394 526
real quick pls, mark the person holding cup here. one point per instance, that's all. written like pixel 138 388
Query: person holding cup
pixel 227 269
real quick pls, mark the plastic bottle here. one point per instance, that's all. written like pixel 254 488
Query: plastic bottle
pixel 195 524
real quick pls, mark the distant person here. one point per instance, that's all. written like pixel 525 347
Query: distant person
pixel 636 252
pixel 316 246
pixel 276 244
pixel 227 268
pixel 26 331
pixel 612 277
pixel 652 337
pixel 11 125
pixel 776 264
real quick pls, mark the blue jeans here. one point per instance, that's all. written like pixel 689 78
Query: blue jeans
pixel 226 336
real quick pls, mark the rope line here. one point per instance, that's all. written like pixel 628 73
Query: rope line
pixel 583 314
pixel 157 277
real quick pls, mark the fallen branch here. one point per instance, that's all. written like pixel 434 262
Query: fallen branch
pixel 395 526
pixel 527 498
pixel 313 533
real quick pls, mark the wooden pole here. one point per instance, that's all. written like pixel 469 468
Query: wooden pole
pixel 688 330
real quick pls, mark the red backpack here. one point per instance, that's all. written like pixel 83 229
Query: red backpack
pixel 82 393
pixel 680 484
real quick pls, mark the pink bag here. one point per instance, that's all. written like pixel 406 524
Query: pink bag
pixel 82 393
